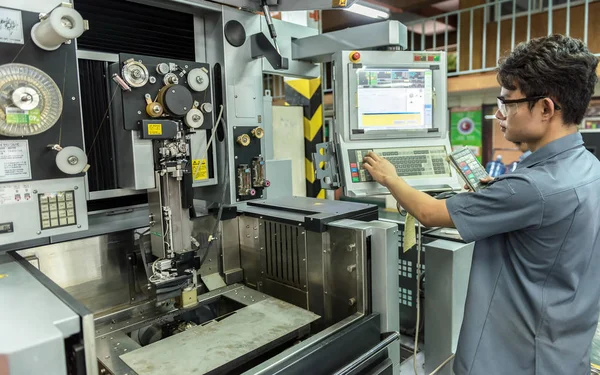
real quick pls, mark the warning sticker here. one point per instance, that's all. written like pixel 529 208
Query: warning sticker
pixel 154 129
pixel 13 194
pixel 200 169
pixel 14 161
pixel 16 116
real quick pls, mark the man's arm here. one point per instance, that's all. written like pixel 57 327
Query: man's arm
pixel 429 211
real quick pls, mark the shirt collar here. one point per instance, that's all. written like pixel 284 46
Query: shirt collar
pixel 552 149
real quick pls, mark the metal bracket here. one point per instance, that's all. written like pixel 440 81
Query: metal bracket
pixel 325 164
pixel 262 47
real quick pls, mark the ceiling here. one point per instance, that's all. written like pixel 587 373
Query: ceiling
pixel 405 11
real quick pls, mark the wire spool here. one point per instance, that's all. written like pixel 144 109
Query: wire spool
pixel 194 118
pixel 176 99
pixel 30 101
pixel 71 160
pixel 154 109
pixel 135 73
pixel 198 79
pixel 61 25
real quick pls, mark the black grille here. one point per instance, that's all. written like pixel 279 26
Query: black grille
pixel 121 26
pixel 96 125
pixel 282 253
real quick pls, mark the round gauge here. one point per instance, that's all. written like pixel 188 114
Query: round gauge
pixel 30 101
pixel 198 79
pixel 135 73
pixel 176 100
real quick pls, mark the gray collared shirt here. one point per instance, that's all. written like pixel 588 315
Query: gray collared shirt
pixel 534 291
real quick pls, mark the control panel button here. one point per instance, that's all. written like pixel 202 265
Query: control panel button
pixel 57 209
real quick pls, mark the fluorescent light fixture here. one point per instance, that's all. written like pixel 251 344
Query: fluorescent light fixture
pixel 367 11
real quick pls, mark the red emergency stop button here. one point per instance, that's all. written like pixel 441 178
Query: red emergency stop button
pixel 355 57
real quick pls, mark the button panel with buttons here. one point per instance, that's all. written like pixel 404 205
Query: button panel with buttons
pixel 57 209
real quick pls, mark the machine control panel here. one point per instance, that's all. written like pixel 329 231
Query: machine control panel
pixel 57 209
pixel 410 162
pixel 469 168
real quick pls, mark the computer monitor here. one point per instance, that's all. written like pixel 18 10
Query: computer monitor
pixel 394 99
pixel 591 141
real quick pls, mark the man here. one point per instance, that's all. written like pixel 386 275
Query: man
pixel 522 146
pixel 534 290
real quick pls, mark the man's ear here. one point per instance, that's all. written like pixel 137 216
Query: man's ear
pixel 548 109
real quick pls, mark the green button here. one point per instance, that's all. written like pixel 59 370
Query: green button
pixel 354 179
pixel 436 58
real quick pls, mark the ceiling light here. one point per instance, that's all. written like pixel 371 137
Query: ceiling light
pixel 368 11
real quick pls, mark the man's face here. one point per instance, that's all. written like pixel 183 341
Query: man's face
pixel 517 122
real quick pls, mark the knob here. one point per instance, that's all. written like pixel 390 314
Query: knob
pixel 243 140
pixel 258 132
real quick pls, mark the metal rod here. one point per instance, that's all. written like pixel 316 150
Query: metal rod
pixel 458 44
pixel 434 33
pixel 585 21
pixel 473 71
pixel 498 21
pixel 349 369
pixel 423 36
pixel 470 40
pixel 514 22
pixel 528 20
pixel 484 39
pixel 446 34
pixel 412 38
pixel 568 27
pixel 549 17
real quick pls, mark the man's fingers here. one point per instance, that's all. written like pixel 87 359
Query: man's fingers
pixel 369 160
pixel 487 180
pixel 373 155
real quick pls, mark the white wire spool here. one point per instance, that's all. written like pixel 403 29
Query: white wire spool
pixel 194 118
pixel 61 25
pixel 198 79
pixel 71 160
pixel 30 101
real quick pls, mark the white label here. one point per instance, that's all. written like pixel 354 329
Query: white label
pixel 11 26
pixel 13 194
pixel 14 161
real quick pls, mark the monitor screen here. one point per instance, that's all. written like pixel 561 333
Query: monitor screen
pixel 395 99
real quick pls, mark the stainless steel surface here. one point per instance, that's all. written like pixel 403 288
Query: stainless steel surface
pixel 232 270
pixel 89 342
pixel 384 275
pixel 213 281
pixel 250 249
pixel 109 348
pixel 105 194
pixel 135 165
pixel 98 56
pixel 387 341
pixel 201 230
pixel 345 269
pixel 320 48
pixel 448 269
pixel 244 332
pixel 25 213
pixel 34 342
pixel 95 271
pixel 268 366
pixel 315 275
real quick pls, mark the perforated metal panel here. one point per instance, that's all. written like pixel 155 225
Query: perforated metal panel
pixel 284 254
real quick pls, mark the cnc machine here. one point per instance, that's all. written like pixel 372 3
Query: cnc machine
pixel 136 230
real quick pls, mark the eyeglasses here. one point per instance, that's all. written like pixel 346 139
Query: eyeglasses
pixel 503 104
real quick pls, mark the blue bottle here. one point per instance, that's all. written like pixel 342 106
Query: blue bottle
pixel 495 168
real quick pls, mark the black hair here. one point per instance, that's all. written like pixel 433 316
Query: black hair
pixel 556 66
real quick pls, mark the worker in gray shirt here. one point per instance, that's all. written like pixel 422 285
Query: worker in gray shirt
pixel 533 300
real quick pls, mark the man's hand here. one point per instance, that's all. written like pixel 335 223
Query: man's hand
pixel 380 169
pixel 484 181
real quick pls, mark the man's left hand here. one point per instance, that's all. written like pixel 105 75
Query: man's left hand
pixel 380 169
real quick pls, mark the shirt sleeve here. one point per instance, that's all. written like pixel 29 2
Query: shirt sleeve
pixel 508 204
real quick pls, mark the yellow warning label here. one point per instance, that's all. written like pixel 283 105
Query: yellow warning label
pixel 154 129
pixel 338 3
pixel 3 275
pixel 200 169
